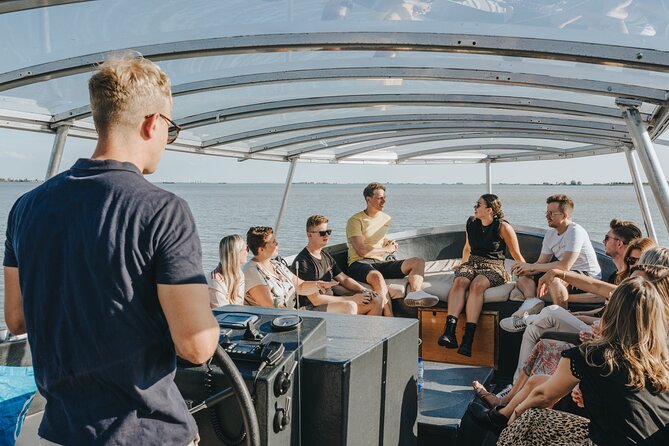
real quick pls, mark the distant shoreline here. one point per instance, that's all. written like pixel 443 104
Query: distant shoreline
pixel 563 183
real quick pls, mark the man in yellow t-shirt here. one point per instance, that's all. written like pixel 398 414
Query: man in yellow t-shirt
pixel 368 247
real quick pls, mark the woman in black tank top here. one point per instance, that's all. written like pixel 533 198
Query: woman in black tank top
pixel 487 237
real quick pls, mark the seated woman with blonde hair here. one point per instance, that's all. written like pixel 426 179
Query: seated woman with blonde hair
pixel 226 282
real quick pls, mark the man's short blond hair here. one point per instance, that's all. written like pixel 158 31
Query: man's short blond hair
pixel 126 88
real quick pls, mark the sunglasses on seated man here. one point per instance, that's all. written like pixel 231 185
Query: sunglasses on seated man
pixel 322 233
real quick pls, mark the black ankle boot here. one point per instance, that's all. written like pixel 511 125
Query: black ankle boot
pixel 448 339
pixel 467 339
pixel 491 419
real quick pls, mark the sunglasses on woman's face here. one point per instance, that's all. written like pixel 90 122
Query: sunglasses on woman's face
pixel 631 260
pixel 322 233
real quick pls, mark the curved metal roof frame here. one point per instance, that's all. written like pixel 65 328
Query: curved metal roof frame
pixel 628 57
pixel 368 133
pixel 368 100
pixel 592 132
pixel 645 94
pixel 418 120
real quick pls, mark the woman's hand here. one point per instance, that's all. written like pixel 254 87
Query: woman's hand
pixel 323 285
pixel 585 336
pixel 522 269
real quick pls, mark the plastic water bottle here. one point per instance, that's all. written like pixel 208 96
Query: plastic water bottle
pixel 419 381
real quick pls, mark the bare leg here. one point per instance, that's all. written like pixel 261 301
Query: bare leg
pixel 517 386
pixel 345 307
pixel 522 394
pixel 456 296
pixel 373 308
pixel 526 286
pixel 475 299
pixel 415 269
pixel 378 283
pixel 558 292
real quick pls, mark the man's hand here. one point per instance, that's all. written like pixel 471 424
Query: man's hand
pixel 522 269
pixel 391 246
pixel 362 298
pixel 546 279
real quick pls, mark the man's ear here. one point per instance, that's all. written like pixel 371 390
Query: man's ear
pixel 149 126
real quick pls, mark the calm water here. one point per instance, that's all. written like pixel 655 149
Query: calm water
pixel 222 209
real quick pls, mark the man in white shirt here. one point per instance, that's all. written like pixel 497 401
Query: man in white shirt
pixel 565 241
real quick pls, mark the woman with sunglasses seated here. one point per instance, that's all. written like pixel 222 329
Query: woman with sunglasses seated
pixel 269 282
pixel 486 239
pixel 623 377
pixel 226 282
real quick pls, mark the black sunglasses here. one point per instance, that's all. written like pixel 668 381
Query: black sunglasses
pixel 631 260
pixel 607 237
pixel 322 233
pixel 173 129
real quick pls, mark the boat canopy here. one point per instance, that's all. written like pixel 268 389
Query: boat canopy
pixel 361 81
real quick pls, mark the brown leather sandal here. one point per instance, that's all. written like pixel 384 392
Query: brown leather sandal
pixel 490 400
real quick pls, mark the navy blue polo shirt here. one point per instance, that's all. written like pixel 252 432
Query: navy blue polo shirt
pixel 91 244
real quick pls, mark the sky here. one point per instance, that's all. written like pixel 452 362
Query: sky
pixel 26 155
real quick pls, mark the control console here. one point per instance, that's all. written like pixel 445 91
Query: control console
pixel 266 345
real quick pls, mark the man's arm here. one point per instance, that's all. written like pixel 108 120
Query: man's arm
pixel 349 283
pixel 363 250
pixel 14 317
pixel 192 325
pixel 542 264
pixel 580 281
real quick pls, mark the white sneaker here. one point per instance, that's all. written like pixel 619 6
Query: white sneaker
pixel 515 324
pixel 504 392
pixel 420 298
pixel 533 305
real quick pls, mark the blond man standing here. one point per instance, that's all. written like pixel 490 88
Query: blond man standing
pixel 111 284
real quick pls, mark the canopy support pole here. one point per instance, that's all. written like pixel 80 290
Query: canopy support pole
pixel 640 194
pixel 57 151
pixel 286 191
pixel 647 156
pixel 488 176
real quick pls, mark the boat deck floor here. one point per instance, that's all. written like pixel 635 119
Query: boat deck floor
pixel 442 403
